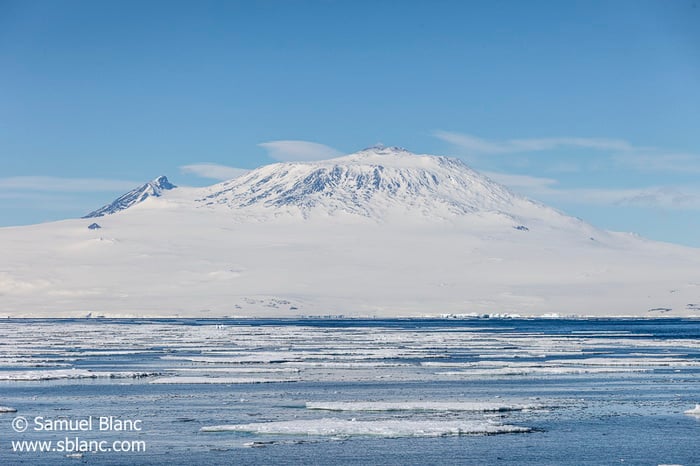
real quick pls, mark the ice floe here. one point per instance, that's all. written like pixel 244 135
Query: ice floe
pixel 347 365
pixel 261 357
pixel 238 370
pixel 539 371
pixel 475 406
pixel 70 374
pixel 215 380
pixel 319 354
pixel 667 361
pixel 695 411
pixel 381 428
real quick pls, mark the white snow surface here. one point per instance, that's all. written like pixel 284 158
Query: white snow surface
pixel 382 232
pixel 381 428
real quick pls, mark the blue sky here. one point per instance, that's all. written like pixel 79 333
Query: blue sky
pixel 590 106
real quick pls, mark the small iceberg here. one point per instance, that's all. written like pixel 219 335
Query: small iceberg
pixel 695 411
pixel 391 428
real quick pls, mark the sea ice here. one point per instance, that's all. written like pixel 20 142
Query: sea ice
pixel 347 365
pixel 476 406
pixel 238 370
pixel 695 411
pixel 380 428
pixel 541 371
pixel 70 374
pixel 215 380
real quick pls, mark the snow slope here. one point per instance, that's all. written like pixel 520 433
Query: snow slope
pixel 382 232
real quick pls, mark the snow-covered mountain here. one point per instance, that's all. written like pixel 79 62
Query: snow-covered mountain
pixel 377 183
pixel 368 183
pixel 153 188
pixel 378 232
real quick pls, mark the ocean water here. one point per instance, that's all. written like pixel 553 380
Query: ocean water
pixel 322 391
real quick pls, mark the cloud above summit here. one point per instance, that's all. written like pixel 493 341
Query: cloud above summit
pixel 298 151
pixel 213 171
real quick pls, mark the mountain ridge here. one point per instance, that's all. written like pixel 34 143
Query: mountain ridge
pixel 154 188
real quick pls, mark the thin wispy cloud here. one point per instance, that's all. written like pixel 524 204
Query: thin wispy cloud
pixel 58 184
pixel 657 161
pixel 672 198
pixel 213 171
pixel 609 153
pixel 548 189
pixel 296 151
pixel 521 181
pixel 475 145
